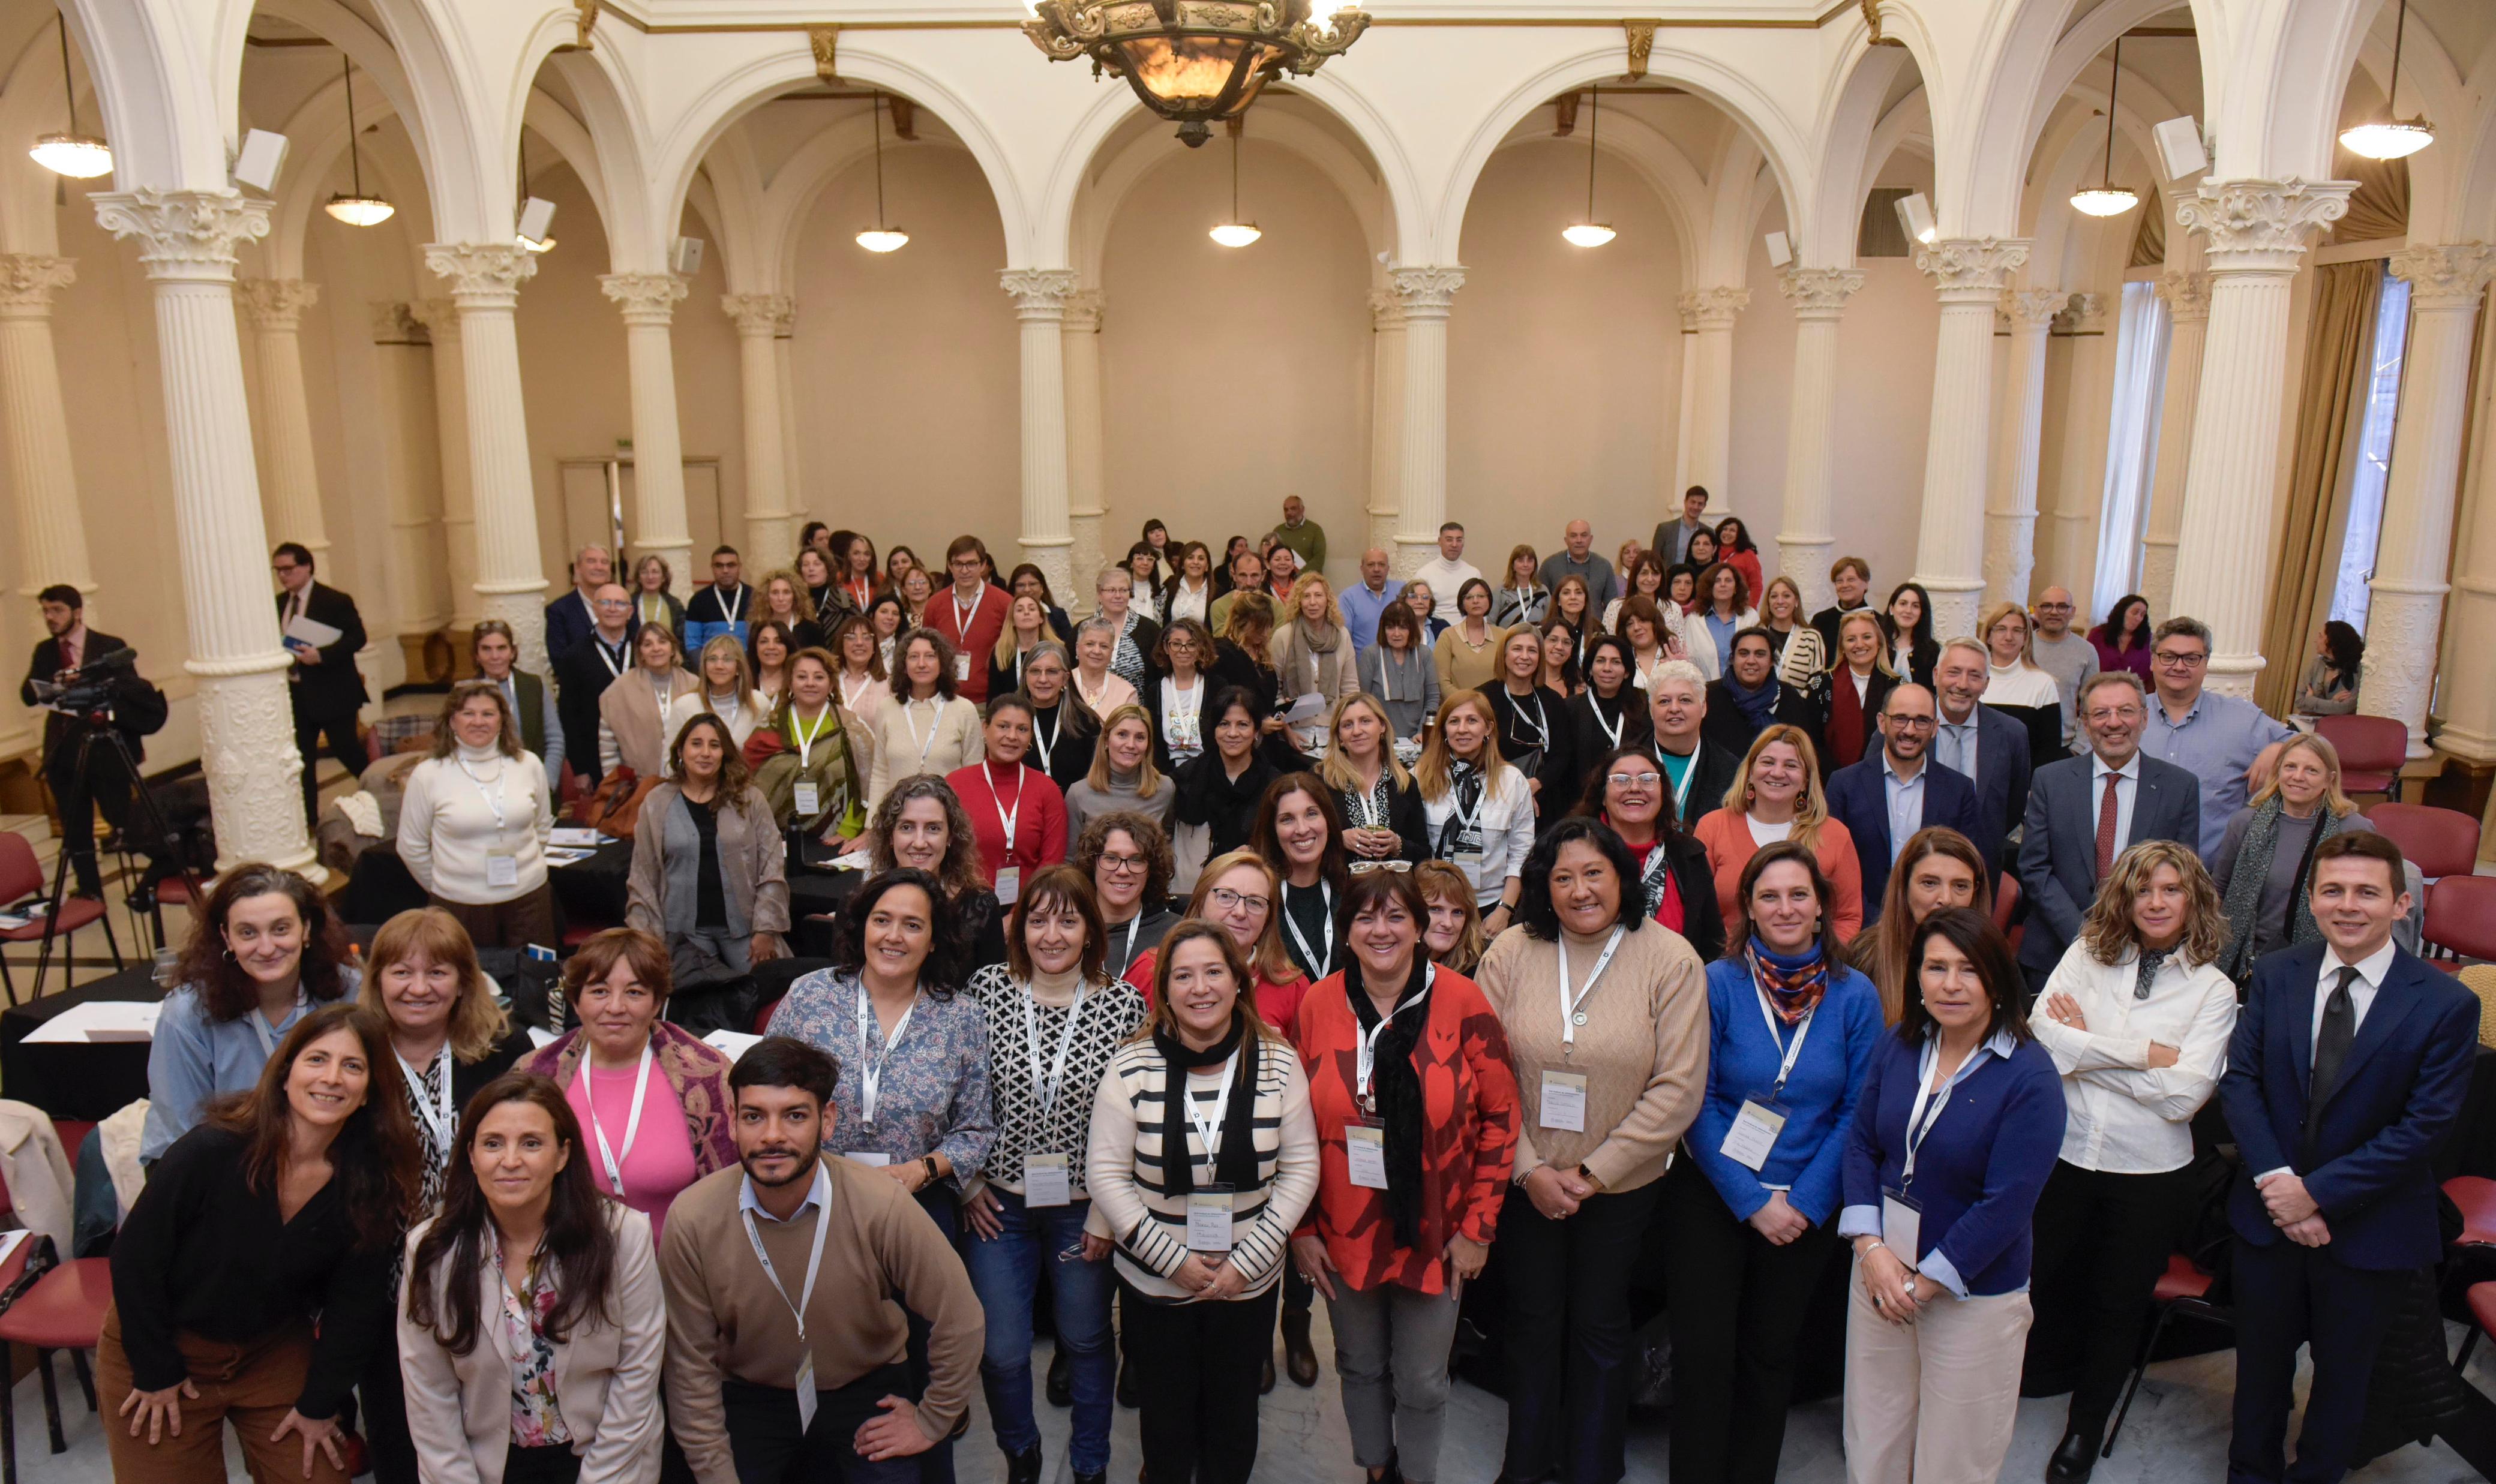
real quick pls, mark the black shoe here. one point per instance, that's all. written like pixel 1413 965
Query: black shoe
pixel 1103 1477
pixel 2072 1459
pixel 1265 1383
pixel 1393 1473
pixel 1300 1358
pixel 1061 1381
pixel 1024 1467
pixel 1130 1396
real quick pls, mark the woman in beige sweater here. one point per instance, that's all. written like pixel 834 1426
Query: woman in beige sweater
pixel 1607 1020
pixel 924 728
pixel 1313 654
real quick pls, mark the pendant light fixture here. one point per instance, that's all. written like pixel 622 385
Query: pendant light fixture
pixel 1237 232
pixel 882 237
pixel 357 209
pixel 1590 233
pixel 2395 137
pixel 79 156
pixel 2105 198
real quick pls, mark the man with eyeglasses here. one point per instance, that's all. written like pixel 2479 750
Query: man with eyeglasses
pixel 2062 652
pixel 1129 860
pixel 1700 771
pixel 323 684
pixel 582 674
pixel 1891 794
pixel 2225 741
pixel 970 614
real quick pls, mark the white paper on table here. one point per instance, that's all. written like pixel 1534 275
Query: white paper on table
pixel 731 1044
pixel 312 632
pixel 854 860
pixel 101 1021
pixel 1307 708
pixel 539 1036
pixel 578 837
pixel 10 1240
pixel 558 856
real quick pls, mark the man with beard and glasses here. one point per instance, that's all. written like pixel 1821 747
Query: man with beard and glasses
pixel 786 1333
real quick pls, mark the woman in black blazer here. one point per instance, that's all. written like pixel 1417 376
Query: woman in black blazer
pixel 1176 694
pixel 1221 788
pixel 1681 887
pixel 1907 625
pixel 1608 712
pixel 1534 732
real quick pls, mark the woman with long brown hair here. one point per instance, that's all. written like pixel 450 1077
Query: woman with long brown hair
pixel 286 1206
pixel 709 870
pixel 1937 867
pixel 1453 933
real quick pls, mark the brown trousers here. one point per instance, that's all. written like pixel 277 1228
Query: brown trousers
pixel 526 919
pixel 251 1385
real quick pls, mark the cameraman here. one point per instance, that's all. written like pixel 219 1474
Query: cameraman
pixel 103 782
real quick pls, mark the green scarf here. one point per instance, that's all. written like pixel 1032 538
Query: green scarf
pixel 2242 902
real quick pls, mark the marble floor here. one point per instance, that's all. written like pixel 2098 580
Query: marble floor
pixel 2177 1434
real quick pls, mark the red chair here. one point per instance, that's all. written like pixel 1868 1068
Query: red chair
pixel 2182 1290
pixel 61 1310
pixel 2474 1195
pixel 2481 1299
pixel 22 877
pixel 2372 749
pixel 2461 916
pixel 763 1017
pixel 172 891
pixel 2005 900
pixel 2440 842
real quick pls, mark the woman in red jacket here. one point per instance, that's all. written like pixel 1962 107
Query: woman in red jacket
pixel 1017 814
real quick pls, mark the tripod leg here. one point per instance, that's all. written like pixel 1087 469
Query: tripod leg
pixel 51 928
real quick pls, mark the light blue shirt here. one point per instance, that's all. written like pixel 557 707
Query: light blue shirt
pixel 818 1196
pixel 1906 799
pixel 2126 793
pixel 2217 741
pixel 1955 744
pixel 1361 607
pixel 194 1059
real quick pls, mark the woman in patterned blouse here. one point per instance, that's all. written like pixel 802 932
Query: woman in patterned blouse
pixel 1054 1018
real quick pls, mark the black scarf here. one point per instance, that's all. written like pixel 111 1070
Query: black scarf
pixel 1397 1085
pixel 1236 1165
pixel 1465 785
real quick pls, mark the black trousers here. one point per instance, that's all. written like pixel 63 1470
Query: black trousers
pixel 2287 1296
pixel 1733 1294
pixel 346 744
pixel 1197 1369
pixel 763 1436
pixel 2100 1243
pixel 79 793
pixel 383 1391
pixel 1568 1332
pixel 554 1463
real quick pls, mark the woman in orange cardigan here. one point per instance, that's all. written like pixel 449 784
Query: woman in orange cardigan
pixel 1776 797
pixel 1415 1143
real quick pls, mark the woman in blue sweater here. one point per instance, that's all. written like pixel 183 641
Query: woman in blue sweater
pixel 1747 1218
pixel 1954 1137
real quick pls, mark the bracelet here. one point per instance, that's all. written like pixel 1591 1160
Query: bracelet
pixel 1878 1245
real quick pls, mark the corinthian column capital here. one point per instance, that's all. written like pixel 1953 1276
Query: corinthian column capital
pixel 277 303
pixel 2257 226
pixel 481 274
pixel 1084 312
pixel 2032 309
pixel 187 234
pixel 1427 292
pixel 756 314
pixel 1713 308
pixel 2446 277
pixel 1817 294
pixel 1970 270
pixel 1040 293
pixel 2186 297
pixel 28 281
pixel 646 299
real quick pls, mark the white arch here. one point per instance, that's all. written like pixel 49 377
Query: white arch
pixel 1850 151
pixel 780 214
pixel 2071 155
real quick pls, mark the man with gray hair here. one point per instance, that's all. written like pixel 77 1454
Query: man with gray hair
pixel 2062 653
pixel 2225 741
pixel 570 617
pixel 1980 744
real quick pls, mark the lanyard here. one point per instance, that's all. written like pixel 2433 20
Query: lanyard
pixel 849 696
pixel 1689 775
pixel 260 1023
pixel 871 1062
pixel 1542 721
pixel 821 1197
pixel 1570 1016
pixel 962 615
pixel 806 739
pixel 1208 1131
pixel 662 694
pixel 1135 925
pixel 1657 865
pixel 612 658
pixel 732 609
pixel 862 592
pixel 613 1160
pixel 910 719
pixel 436 1113
pixel 1366 1060
pixel 1046 1086
pixel 997 799
pixel 1364 806
pixel 1468 821
pixel 1794 1053
pixel 493 800
pixel 1612 729
pixel 1919 1126
pixel 1318 968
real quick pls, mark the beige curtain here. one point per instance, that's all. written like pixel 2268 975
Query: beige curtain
pixel 2379 207
pixel 2149 243
pixel 2339 357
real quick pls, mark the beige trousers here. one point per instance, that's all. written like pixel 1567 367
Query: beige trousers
pixel 1932 1401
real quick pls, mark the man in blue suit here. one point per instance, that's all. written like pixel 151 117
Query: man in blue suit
pixel 570 618
pixel 2348 1071
pixel 1888 797
pixel 1980 744
pixel 2085 811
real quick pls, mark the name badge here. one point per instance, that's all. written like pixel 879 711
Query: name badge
pixel 1564 1101
pixel 1008 885
pixel 1754 1134
pixel 1047 1181
pixel 501 871
pixel 810 799
pixel 1364 1146
pixel 805 1388
pixel 961 669
pixel 868 1158
pixel 1902 1225
pixel 1209 1219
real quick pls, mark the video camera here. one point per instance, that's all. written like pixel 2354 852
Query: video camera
pixel 98 685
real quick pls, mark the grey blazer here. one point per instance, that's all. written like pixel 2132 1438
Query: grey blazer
pixel 2058 854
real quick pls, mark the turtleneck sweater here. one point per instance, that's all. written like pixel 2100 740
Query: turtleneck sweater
pixel 1085 803
pixel 461 812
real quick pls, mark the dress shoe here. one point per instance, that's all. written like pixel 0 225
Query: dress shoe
pixel 1103 1477
pixel 1061 1379
pixel 1129 1396
pixel 2072 1459
pixel 1299 1358
pixel 1393 1473
pixel 1024 1467
pixel 1265 1381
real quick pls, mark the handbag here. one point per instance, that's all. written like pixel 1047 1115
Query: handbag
pixel 616 807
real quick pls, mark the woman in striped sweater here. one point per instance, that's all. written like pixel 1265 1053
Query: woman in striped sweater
pixel 1204 1157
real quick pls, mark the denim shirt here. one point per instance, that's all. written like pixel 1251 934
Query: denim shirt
pixel 194 1059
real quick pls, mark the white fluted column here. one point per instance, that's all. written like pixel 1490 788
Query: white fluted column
pixel 650 304
pixel 439 318
pixel 1386 417
pixel 2079 486
pixel 290 482
pixel 2011 513
pixel 1805 548
pixel 2405 617
pixel 418 582
pixel 1085 477
pixel 485 279
pixel 1040 297
pixel 770 525
pixel 2254 232
pixel 1969 274
pixel 1422 506
pixel 1707 393
pixel 186 242
pixel 784 337
pixel 35 440
pixel 2467 694
pixel 2188 317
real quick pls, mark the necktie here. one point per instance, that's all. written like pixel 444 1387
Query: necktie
pixel 69 652
pixel 2105 825
pixel 2331 1047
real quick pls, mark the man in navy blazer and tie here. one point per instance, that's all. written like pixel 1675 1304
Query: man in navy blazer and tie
pixel 1891 794
pixel 2348 1071
pixel 1980 744
pixel 2084 812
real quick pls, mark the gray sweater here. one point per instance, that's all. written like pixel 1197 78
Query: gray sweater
pixel 1085 803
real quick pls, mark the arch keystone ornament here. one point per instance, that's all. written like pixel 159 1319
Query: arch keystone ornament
pixel 1041 296
pixel 1426 293
pixel 1969 274
pixel 1819 299
pixel 485 279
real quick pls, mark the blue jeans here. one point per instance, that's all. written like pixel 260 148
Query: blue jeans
pixel 1005 1269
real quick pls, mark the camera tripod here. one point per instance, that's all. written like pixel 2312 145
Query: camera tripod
pixel 86 731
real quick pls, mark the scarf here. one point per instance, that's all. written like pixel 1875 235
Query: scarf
pixel 2242 899
pixel 1395 1082
pixel 1465 785
pixel 1793 981
pixel 2151 961
pixel 1236 1165
pixel 1759 705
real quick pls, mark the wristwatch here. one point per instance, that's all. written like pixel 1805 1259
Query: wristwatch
pixel 929 1161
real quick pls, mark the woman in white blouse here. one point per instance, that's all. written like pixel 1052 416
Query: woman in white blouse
pixel 728 689
pixel 2138 1017
pixel 924 728
pixel 1190 593
pixel 1479 810
pixel 859 677
pixel 1101 690
pixel 475 820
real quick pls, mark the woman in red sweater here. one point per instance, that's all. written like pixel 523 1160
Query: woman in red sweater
pixel 1776 797
pixel 1416 1107
pixel 1017 814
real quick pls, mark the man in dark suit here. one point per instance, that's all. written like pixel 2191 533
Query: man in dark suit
pixel 570 617
pixel 103 783
pixel 327 689
pixel 1698 770
pixel 1986 748
pixel 583 674
pixel 1896 791
pixel 1751 698
pixel 2084 812
pixel 2348 1071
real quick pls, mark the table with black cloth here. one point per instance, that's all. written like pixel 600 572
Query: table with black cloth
pixel 81 1081
pixel 591 890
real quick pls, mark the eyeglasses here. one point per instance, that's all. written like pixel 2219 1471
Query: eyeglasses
pixel 1231 901
pixel 2053 607
pixel 1112 862
pixel 1911 723
pixel 2187 662
pixel 1629 779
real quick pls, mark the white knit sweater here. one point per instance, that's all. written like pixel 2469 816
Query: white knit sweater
pixel 446 828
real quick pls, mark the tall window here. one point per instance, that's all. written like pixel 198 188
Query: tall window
pixel 2132 442
pixel 2350 594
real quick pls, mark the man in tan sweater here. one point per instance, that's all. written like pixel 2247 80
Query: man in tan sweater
pixel 756 1394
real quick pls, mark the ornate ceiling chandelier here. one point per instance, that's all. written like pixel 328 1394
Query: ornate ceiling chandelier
pixel 1196 62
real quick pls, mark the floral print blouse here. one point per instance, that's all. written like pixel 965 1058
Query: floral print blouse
pixel 536 1419
pixel 932 1093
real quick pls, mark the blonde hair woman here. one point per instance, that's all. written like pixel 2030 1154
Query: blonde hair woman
pixel 1313 653
pixel 1122 776
pixel 1776 796
pixel 1859 678
pixel 1384 823
pixel 786 599
pixel 728 688
pixel 473 822
pixel 2017 685
pixel 1480 811
pixel 2267 856
pixel 1799 655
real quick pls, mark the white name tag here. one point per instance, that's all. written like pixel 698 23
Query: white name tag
pixel 1902 1226
pixel 1564 1101
pixel 1208 1221
pixel 868 1158
pixel 961 668
pixel 810 799
pixel 1047 1181
pixel 1008 885
pixel 501 871
pixel 805 1388
pixel 1364 1146
pixel 1754 1134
